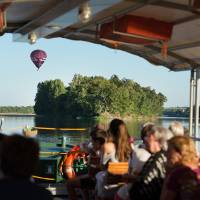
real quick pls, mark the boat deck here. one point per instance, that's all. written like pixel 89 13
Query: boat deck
pixel 58 190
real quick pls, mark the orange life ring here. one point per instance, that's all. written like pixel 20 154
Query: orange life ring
pixel 66 165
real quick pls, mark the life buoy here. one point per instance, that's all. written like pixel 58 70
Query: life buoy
pixel 67 164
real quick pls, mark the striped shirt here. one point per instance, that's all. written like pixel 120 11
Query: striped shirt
pixel 149 183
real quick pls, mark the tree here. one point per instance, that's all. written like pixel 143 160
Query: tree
pixel 48 93
pixel 92 96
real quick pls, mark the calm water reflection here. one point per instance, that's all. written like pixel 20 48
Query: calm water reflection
pixel 13 124
pixel 49 140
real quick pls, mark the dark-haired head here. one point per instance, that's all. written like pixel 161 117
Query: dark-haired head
pixel 114 126
pixel 19 156
pixel 99 137
pixel 95 130
pixel 146 130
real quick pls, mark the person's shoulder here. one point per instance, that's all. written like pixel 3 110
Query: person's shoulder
pixel 156 161
pixel 109 147
pixel 140 152
pixel 182 170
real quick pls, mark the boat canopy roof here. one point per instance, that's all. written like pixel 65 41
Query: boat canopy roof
pixel 178 50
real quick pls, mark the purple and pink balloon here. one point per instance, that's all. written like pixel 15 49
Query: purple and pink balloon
pixel 38 57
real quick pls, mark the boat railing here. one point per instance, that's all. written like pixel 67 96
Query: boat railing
pixel 59 129
pixel 196 139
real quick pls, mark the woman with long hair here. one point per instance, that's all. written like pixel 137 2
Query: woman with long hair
pixel 182 181
pixel 120 137
pixel 117 148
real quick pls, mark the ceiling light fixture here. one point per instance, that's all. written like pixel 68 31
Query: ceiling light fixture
pixel 85 12
pixel 32 37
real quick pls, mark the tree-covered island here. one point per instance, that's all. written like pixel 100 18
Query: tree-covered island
pixel 95 96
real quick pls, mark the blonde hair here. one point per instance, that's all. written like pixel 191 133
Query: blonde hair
pixel 186 148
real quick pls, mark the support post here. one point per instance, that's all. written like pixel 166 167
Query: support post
pixel 192 87
pixel 197 103
pixel 63 141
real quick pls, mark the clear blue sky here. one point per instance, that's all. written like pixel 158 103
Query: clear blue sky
pixel 19 77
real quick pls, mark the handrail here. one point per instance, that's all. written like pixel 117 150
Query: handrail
pixel 53 153
pixel 195 139
pixel 43 178
pixel 62 153
pixel 60 129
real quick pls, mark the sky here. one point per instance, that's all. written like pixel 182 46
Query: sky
pixel 19 77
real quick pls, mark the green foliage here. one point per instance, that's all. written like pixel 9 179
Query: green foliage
pixel 92 96
pixel 47 97
pixel 17 109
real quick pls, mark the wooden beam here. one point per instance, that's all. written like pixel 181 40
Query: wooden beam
pixel 104 19
pixel 176 56
pixel 185 46
pixel 186 19
pixel 57 9
pixel 179 47
pixel 129 49
pixel 172 5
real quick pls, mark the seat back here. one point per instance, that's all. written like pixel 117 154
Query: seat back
pixel 118 168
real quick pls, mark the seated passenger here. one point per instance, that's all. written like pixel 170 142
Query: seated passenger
pixel 140 153
pixel 117 148
pixel 182 181
pixel 87 182
pixel 138 158
pixel 19 158
pixel 147 185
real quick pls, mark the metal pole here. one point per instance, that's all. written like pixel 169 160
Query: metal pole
pixel 197 103
pixel 192 85
pixel 63 141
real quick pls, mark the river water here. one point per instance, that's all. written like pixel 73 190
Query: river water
pixel 15 124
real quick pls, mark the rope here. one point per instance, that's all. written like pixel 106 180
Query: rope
pixel 44 178
pixel 60 129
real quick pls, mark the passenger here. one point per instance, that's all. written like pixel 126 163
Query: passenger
pixel 87 182
pixel 117 148
pixel 120 137
pixel 19 158
pixel 138 158
pixel 140 154
pixel 176 128
pixel 147 185
pixel 99 128
pixel 182 181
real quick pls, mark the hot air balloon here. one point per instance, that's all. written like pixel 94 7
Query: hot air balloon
pixel 38 57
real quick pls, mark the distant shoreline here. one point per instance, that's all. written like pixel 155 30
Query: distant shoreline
pixel 18 114
pixel 172 117
pixel 34 115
